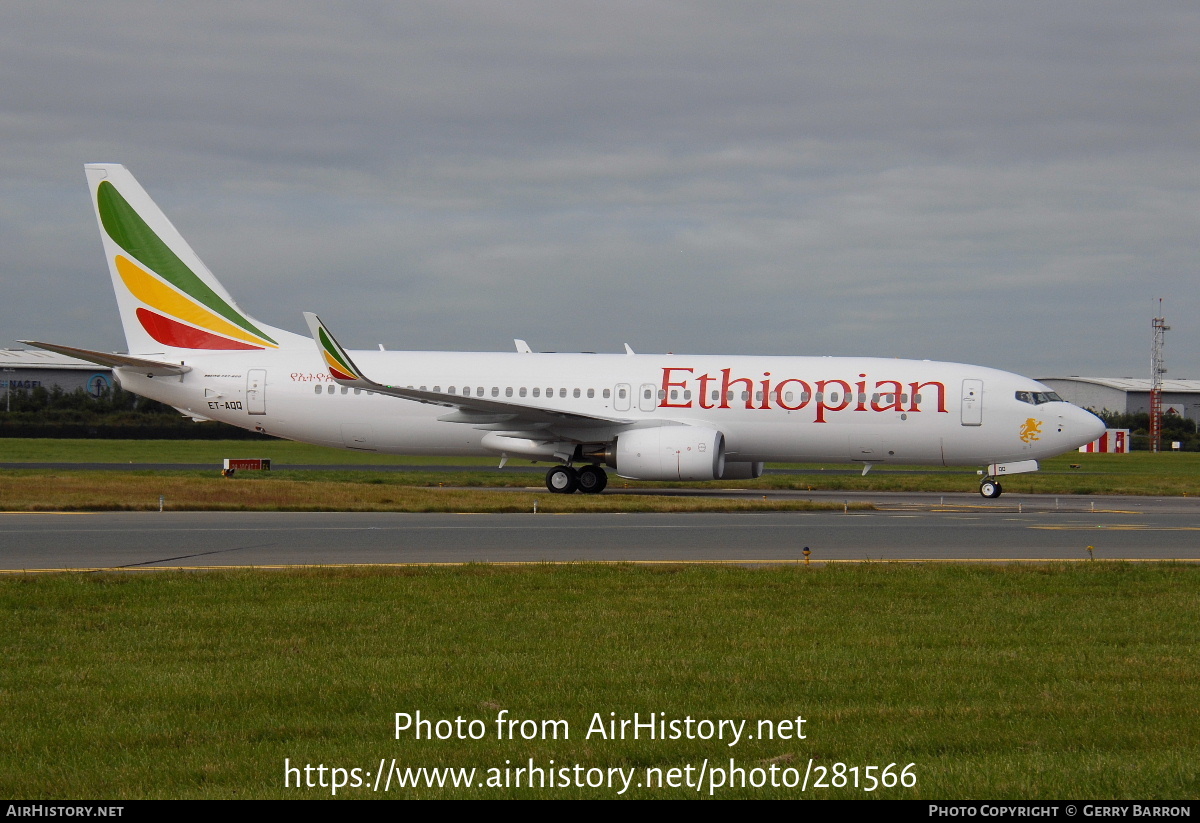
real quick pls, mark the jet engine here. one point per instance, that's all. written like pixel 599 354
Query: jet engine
pixel 669 453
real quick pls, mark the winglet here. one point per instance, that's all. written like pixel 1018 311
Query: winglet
pixel 336 359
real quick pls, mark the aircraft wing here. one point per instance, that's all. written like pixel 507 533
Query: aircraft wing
pixel 156 368
pixel 483 412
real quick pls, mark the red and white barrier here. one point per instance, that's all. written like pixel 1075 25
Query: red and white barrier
pixel 1114 441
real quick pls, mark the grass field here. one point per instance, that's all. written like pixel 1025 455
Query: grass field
pixel 1072 681
pixel 1139 473
pixel 196 491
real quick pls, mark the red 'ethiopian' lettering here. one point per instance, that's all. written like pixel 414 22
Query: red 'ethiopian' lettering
pixel 886 396
pixel 823 395
pixel 668 385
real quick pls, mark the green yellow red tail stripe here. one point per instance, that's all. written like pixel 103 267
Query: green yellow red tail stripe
pixel 181 309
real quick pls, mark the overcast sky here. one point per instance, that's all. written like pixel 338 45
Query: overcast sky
pixel 1010 184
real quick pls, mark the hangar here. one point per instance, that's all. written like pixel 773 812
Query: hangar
pixel 1129 395
pixel 31 369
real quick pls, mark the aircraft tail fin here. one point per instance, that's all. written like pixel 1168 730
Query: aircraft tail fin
pixel 168 298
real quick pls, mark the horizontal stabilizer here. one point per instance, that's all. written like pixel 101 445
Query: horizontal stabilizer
pixel 117 361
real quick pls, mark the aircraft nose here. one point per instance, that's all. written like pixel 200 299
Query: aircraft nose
pixel 1088 426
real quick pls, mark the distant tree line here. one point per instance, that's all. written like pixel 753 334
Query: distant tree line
pixel 1175 428
pixel 114 414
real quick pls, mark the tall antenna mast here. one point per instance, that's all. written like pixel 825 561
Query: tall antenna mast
pixel 1157 370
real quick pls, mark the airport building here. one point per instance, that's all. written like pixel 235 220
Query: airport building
pixel 1129 395
pixel 32 368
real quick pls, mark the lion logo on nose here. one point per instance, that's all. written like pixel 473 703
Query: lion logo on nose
pixel 1030 430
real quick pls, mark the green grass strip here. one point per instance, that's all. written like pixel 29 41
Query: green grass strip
pixel 1055 681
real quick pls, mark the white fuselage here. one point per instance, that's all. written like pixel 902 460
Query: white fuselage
pixel 776 409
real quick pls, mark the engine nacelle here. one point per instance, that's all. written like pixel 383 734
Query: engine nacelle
pixel 670 453
pixel 742 471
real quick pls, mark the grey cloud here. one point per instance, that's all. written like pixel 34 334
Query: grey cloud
pixel 1010 184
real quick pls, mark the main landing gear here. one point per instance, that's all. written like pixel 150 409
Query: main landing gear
pixel 990 489
pixel 566 480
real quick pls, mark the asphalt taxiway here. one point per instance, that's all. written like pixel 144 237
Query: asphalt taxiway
pixel 904 527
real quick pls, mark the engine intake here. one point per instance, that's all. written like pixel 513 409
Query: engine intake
pixel 670 453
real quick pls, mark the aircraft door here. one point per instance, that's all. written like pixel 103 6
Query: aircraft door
pixel 621 397
pixel 972 402
pixel 256 391
pixel 648 397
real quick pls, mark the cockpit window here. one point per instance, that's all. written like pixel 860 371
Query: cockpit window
pixel 1037 398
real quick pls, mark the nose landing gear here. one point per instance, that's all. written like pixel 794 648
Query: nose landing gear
pixel 990 489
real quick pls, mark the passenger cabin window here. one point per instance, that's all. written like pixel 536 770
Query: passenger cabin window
pixel 522 392
pixel 591 393
pixel 536 391
pixel 317 389
pixel 608 392
pixel 576 393
pixel 508 392
pixel 329 389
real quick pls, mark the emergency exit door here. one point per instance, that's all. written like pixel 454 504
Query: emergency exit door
pixel 972 402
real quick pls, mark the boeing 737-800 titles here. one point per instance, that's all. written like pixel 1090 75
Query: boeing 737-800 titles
pixel 646 416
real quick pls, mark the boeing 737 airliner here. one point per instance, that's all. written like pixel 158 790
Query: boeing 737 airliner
pixel 646 416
